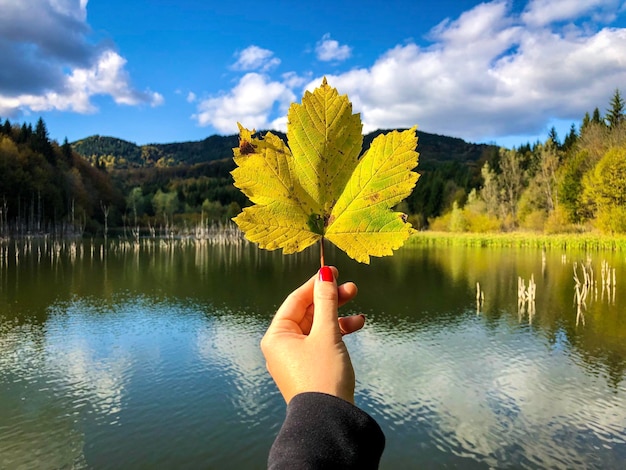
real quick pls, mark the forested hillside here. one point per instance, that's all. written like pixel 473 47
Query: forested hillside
pixel 577 184
pixel 113 153
pixel 189 181
pixel 46 188
pixel 574 185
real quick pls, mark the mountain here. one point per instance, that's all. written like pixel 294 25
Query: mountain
pixel 98 146
pixel 121 154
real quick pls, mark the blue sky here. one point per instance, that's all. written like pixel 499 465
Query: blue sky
pixel 158 71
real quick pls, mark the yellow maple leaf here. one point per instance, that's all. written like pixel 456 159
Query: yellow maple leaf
pixel 318 187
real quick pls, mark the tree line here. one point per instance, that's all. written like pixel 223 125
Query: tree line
pixel 46 188
pixel 574 185
pixel 577 184
pixel 50 189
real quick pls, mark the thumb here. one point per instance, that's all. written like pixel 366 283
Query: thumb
pixel 326 304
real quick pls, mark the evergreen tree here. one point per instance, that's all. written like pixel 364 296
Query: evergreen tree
pixel 596 117
pixel 615 115
pixel 41 130
pixel 66 151
pixel 570 139
pixel 586 122
pixel 554 137
pixel 25 133
pixel 570 186
pixel 524 148
pixel 41 141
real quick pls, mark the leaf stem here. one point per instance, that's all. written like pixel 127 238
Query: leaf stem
pixel 322 252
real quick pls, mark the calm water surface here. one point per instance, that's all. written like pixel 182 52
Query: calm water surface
pixel 148 358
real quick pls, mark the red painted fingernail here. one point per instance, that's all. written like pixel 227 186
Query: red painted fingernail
pixel 326 274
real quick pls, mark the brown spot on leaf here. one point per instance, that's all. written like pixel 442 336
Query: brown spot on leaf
pixel 245 147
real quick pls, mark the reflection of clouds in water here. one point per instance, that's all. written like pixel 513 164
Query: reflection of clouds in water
pixel 488 393
pixel 77 369
pixel 159 372
pixel 232 343
pixel 52 376
pixel 83 346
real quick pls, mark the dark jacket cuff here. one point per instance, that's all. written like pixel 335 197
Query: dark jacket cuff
pixel 323 431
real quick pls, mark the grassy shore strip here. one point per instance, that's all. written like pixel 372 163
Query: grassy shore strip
pixel 586 242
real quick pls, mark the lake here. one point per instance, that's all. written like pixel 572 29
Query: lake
pixel 131 357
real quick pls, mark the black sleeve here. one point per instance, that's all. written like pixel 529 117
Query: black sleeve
pixel 323 431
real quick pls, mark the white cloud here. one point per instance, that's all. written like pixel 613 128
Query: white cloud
pixel 543 12
pixel 255 58
pixel 293 80
pixel 191 97
pixel 485 76
pixel 106 77
pixel 250 102
pixel 77 9
pixel 53 63
pixel 328 50
pixel 236 347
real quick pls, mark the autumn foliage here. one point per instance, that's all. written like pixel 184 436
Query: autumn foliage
pixel 578 185
pixel 46 188
pixel 318 185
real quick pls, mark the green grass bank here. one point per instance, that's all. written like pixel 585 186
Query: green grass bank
pixel 586 242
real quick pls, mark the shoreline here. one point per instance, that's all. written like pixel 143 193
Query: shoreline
pixel 582 241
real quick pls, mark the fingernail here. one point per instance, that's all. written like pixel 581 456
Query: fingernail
pixel 326 274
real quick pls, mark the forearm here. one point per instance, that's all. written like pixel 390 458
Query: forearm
pixel 323 431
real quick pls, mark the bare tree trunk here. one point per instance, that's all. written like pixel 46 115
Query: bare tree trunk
pixel 105 211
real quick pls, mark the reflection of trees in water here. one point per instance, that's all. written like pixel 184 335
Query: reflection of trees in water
pixel 35 273
pixel 484 383
pixel 495 394
pixel 417 286
pixel 445 275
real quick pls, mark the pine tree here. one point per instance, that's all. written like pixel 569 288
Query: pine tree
pixel 615 115
pixel 570 139
pixel 41 141
pixel 585 123
pixel 24 134
pixel 596 117
pixel 66 151
pixel 554 137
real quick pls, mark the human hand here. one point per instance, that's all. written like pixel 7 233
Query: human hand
pixel 303 345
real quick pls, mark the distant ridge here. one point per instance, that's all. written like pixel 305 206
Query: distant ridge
pixel 119 153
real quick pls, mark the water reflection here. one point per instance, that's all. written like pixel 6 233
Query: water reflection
pixel 152 350
pixel 157 381
pixel 490 394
